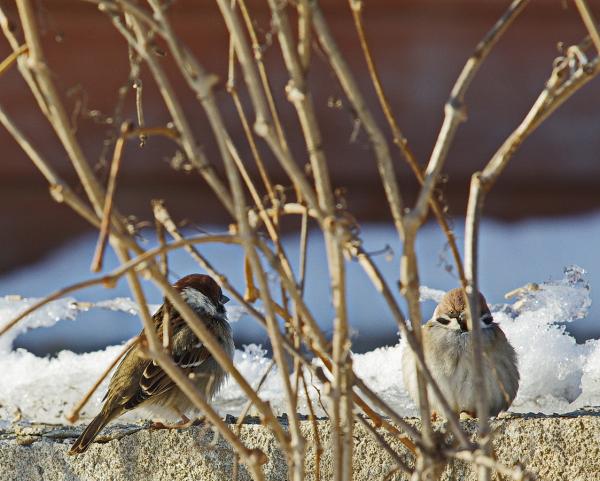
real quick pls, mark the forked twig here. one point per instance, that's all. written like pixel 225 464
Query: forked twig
pixel 143 26
pixel 399 139
pixel 559 87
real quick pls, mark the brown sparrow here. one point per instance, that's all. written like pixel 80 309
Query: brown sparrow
pixel 140 382
pixel 447 346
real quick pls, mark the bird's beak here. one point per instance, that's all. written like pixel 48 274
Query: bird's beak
pixel 224 299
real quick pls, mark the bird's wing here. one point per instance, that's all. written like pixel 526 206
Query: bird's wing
pixel 154 381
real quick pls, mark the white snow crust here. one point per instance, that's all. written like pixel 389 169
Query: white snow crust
pixel 557 374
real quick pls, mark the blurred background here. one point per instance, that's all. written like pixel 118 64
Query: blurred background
pixel 540 216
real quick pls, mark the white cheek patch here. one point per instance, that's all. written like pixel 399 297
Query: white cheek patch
pixel 199 302
pixel 448 322
pixel 486 321
pixel 454 324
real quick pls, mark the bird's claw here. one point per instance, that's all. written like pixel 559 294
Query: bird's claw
pixel 184 423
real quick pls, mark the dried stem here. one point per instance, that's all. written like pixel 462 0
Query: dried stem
pixel 299 96
pixel 55 111
pixel 399 138
pixel 108 203
pixel 472 291
pixel 380 147
pixel 559 87
pixel 455 111
pixel 315 430
pixel 73 416
pixel 125 268
pixel 480 459
pixel 12 58
pixel 262 72
pixel 382 442
pixel 589 21
pixel 22 62
pixel 296 27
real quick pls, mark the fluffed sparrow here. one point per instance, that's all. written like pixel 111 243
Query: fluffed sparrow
pixel 447 346
pixel 140 382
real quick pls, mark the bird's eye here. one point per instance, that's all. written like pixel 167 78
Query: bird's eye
pixel 443 320
pixel 487 318
pixel 224 299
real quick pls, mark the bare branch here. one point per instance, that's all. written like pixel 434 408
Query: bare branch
pixel 589 21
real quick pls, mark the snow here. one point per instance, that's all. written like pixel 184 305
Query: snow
pixel 551 362
pixel 511 255
pixel 429 294
pixel 557 374
pixel 46 316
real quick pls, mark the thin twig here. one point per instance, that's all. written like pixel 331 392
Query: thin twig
pixel 558 89
pixel 382 154
pixel 454 110
pixel 194 154
pixel 472 290
pixel 399 138
pixel 304 33
pixel 262 72
pixel 589 21
pixel 383 443
pixel 480 459
pixel 8 61
pixel 262 124
pixel 109 280
pixel 253 148
pixel 7 29
pixel 246 409
pixel 73 416
pixel 108 203
pixel 315 430
pixel 299 96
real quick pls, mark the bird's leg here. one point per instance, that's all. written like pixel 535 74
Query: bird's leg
pixel 185 422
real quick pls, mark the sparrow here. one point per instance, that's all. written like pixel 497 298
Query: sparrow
pixel 140 382
pixel 447 346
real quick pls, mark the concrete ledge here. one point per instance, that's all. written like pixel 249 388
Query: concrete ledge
pixel 558 447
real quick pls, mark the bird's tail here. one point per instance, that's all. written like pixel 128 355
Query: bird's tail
pixel 92 430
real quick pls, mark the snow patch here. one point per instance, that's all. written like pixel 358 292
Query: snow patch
pixel 429 294
pixel 557 374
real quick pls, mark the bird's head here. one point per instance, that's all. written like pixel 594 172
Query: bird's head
pixel 451 312
pixel 203 294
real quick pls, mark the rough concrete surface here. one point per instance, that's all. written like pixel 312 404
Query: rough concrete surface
pixel 557 447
